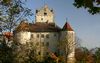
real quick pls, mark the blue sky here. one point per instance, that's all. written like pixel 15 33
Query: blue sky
pixel 86 26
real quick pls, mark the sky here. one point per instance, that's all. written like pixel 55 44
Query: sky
pixel 85 25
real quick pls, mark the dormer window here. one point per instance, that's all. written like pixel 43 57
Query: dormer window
pixel 45 14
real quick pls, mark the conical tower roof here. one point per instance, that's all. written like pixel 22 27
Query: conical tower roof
pixel 67 27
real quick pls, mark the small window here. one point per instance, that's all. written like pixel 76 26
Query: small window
pixel 42 43
pixel 55 35
pixel 45 14
pixel 39 53
pixel 47 21
pixel 47 44
pixel 47 36
pixel 37 35
pixel 37 43
pixel 41 18
pixel 42 35
pixel 32 36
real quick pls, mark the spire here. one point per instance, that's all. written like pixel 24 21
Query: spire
pixel 67 27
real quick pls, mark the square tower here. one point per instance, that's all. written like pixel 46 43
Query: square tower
pixel 44 15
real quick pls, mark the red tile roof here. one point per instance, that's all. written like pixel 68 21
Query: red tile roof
pixel 41 27
pixel 45 27
pixel 67 27
pixel 38 27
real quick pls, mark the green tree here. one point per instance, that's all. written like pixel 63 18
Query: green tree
pixel 97 55
pixel 93 6
pixel 5 53
pixel 12 12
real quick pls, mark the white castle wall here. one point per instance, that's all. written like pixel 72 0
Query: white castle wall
pixel 22 37
pixel 68 38
pixel 40 43
pixel 52 40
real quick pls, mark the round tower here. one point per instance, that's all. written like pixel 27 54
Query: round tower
pixel 68 38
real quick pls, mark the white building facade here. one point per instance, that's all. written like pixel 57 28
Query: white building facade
pixel 45 35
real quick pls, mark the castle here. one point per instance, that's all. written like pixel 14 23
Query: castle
pixel 46 36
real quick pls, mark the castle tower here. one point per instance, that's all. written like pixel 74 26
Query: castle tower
pixel 22 33
pixel 69 40
pixel 44 15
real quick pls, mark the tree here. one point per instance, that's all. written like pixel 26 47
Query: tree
pixel 91 5
pixel 11 13
pixel 96 52
pixel 67 47
pixel 23 53
pixel 80 54
pixel 5 53
pixel 83 55
pixel 78 42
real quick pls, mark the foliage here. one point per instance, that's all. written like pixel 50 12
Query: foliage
pixel 19 53
pixel 23 53
pixel 6 55
pixel 93 6
pixel 12 12
pixel 97 55
pixel 83 55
